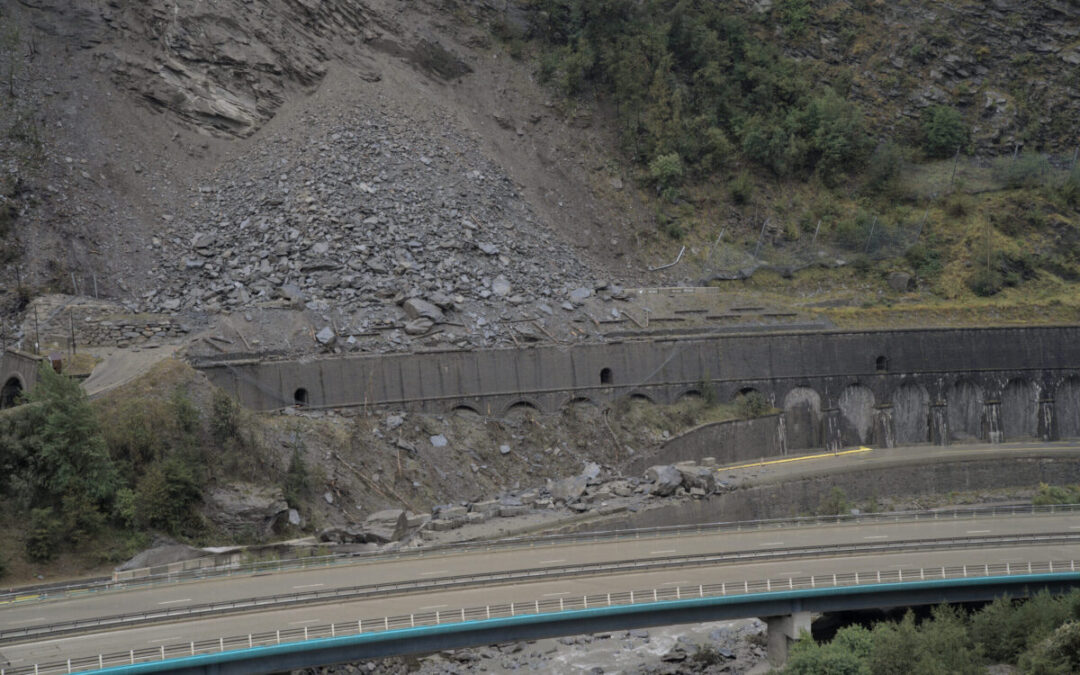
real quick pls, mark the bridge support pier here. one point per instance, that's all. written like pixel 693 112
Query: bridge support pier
pixel 782 631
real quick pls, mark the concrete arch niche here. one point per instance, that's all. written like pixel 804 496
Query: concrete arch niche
pixel 1020 409
pixel 462 410
pixel 579 403
pixel 522 409
pixel 802 417
pixel 965 404
pixel 1067 408
pixel 856 415
pixel 911 414
pixel 10 393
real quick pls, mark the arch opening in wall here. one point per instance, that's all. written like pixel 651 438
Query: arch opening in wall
pixel 882 364
pixel 606 376
pixel 522 409
pixel 856 405
pixel 965 410
pixel 463 410
pixel 802 415
pixel 691 394
pixel 11 393
pixel 746 391
pixel 579 402
pixel 911 413
pixel 300 397
pixel 640 396
pixel 1020 409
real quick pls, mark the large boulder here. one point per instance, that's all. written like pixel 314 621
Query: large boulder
pixel 568 490
pixel 243 507
pixel 665 479
pixel 417 308
pixel 385 526
pixel 697 477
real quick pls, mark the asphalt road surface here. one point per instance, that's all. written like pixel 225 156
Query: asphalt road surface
pixel 192 593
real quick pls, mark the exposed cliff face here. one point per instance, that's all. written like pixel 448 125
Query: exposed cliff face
pixel 1012 66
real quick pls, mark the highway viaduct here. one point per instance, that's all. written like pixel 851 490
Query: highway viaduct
pixel 531 589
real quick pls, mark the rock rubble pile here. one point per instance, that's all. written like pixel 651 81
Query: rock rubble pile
pixel 386 228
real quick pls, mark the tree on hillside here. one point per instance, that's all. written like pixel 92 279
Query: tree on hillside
pixel 944 131
pixel 70 459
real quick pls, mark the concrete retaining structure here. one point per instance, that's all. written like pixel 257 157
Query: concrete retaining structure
pixel 728 442
pixel 18 373
pixel 837 388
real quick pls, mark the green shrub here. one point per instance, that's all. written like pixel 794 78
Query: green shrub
pixel 224 418
pixel 835 503
pixel 666 171
pixel 297 480
pixel 794 15
pixel 741 188
pixel 166 496
pixel 752 404
pixel 1029 170
pixel 944 131
pixel 986 282
pixel 926 261
pixel 1070 187
pixel 884 166
pixel 45 535
pixel 1056 494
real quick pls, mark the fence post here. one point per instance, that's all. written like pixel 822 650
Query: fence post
pixel 438 619
pixel 538 606
pixel 69 665
pixel 463 615
pixel 386 622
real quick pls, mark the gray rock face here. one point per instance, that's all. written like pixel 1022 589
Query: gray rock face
pixel 326 337
pixel 239 507
pixel 665 479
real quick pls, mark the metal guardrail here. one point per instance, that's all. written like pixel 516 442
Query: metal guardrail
pixel 531 574
pixel 161 575
pixel 362 626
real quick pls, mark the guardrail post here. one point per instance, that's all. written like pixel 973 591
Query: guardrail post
pixel 538 606
pixel 701 591
pixel 359 629
pixel 412 621
pixel 463 615
pixel 631 597
pixel 131 654
pixel 305 634
pixel 438 620
pixel 101 661
pixel 249 641
pixel 965 571
pixel 560 607
pixel 36 669
pixel 879 576
pixel 609 597
pixel 512 609
pixel 333 631
pixel 986 569
pixel 900 573
pixel 221 644
pixel 278 639
pixel 746 586
pixel 162 652
pixel 69 665
pixel 856 578
pixel 768 584
pixel 585 600
pixel 386 622
pixel 1029 567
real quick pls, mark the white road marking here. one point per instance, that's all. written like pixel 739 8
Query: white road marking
pixel 173 639
pixel 173 602
pixel 309 586
pixel 674 583
pixel 877 536
pixel 428 574
pixel 548 595
pixel 1074 527
pixel 773 543
pixel 301 623
pixel 978 531
pixel 667 550
pixel 434 606
pixel 546 562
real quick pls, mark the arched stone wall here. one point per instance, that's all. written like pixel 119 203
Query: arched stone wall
pixel 802 418
pixel 1020 409
pixel 1067 407
pixel 856 415
pixel 911 413
pixel 965 401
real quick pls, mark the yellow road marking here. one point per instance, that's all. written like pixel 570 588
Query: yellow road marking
pixel 796 459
